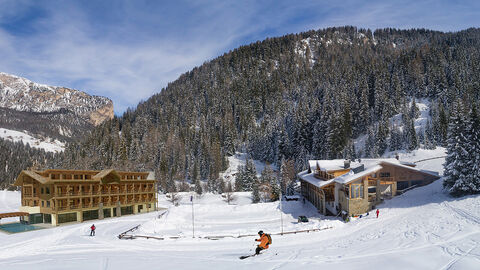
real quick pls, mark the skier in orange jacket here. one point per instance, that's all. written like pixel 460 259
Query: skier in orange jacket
pixel 264 242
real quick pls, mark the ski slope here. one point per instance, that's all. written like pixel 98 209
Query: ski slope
pixel 424 228
pixel 49 145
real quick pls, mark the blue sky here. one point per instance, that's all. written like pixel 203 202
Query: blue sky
pixel 129 50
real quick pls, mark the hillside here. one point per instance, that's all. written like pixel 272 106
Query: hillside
pixel 37 118
pixel 53 111
pixel 424 228
pixel 296 97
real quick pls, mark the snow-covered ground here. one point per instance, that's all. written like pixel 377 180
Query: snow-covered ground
pixel 239 159
pixel 46 144
pixel 420 122
pixel 422 229
pixel 215 218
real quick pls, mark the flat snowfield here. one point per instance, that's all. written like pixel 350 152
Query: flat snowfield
pixel 421 229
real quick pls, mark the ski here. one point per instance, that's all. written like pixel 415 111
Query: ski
pixel 247 256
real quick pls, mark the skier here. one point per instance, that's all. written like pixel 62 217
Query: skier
pixel 265 241
pixel 378 212
pixel 92 230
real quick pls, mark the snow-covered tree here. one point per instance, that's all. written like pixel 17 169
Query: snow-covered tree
pixel 474 150
pixel 456 175
pixel 256 191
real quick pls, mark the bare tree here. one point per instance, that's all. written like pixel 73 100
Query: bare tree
pixel 228 194
pixel 174 198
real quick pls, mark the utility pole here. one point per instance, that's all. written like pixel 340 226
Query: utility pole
pixel 281 212
pixel 193 218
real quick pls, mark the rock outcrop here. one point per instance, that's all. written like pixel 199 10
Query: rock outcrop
pixel 21 94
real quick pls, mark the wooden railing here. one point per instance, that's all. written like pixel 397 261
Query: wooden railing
pixel 112 192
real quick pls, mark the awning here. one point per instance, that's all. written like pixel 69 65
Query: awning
pixel 13 214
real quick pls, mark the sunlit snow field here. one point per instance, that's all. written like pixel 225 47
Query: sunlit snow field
pixel 421 229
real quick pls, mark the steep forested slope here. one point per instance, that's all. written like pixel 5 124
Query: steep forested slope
pixel 292 97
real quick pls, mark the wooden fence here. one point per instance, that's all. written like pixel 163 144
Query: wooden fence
pixel 124 235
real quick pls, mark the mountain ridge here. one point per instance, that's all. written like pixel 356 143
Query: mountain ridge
pixel 21 94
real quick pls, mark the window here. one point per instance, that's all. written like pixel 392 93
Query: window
pixel 89 215
pixel 62 218
pixel 43 205
pixel 385 174
pixel 127 210
pixel 47 190
pixel 356 191
pixel 48 203
pixel 41 190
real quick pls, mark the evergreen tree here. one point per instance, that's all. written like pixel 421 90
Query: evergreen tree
pixel 474 150
pixel 370 147
pixel 396 139
pixel 240 178
pixel 256 191
pixel 250 175
pixel 429 137
pixel 456 170
pixel 471 185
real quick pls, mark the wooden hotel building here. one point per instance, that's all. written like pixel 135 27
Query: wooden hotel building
pixel 353 188
pixel 60 196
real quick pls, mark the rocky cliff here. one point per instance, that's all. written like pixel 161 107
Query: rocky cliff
pixel 49 112
pixel 21 94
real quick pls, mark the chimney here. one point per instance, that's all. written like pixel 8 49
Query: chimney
pixel 397 157
pixel 346 163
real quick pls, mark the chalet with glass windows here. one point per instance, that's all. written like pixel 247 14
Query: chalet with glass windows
pixel 354 188
pixel 60 196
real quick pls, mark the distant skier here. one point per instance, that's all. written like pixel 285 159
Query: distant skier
pixel 92 230
pixel 265 240
pixel 378 212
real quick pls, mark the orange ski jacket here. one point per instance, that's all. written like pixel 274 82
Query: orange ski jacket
pixel 263 241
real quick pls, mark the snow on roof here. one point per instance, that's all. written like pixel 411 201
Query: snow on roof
pixel 411 168
pixel 371 165
pixel 331 165
pixel 369 162
pixel 308 177
pixel 347 178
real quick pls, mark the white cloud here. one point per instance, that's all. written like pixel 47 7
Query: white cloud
pixel 137 52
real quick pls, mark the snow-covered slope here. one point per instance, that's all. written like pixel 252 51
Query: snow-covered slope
pixel 47 144
pixel 422 229
pixel 239 159
pixel 420 123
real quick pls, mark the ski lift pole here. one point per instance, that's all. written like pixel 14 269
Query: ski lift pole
pixel 193 218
